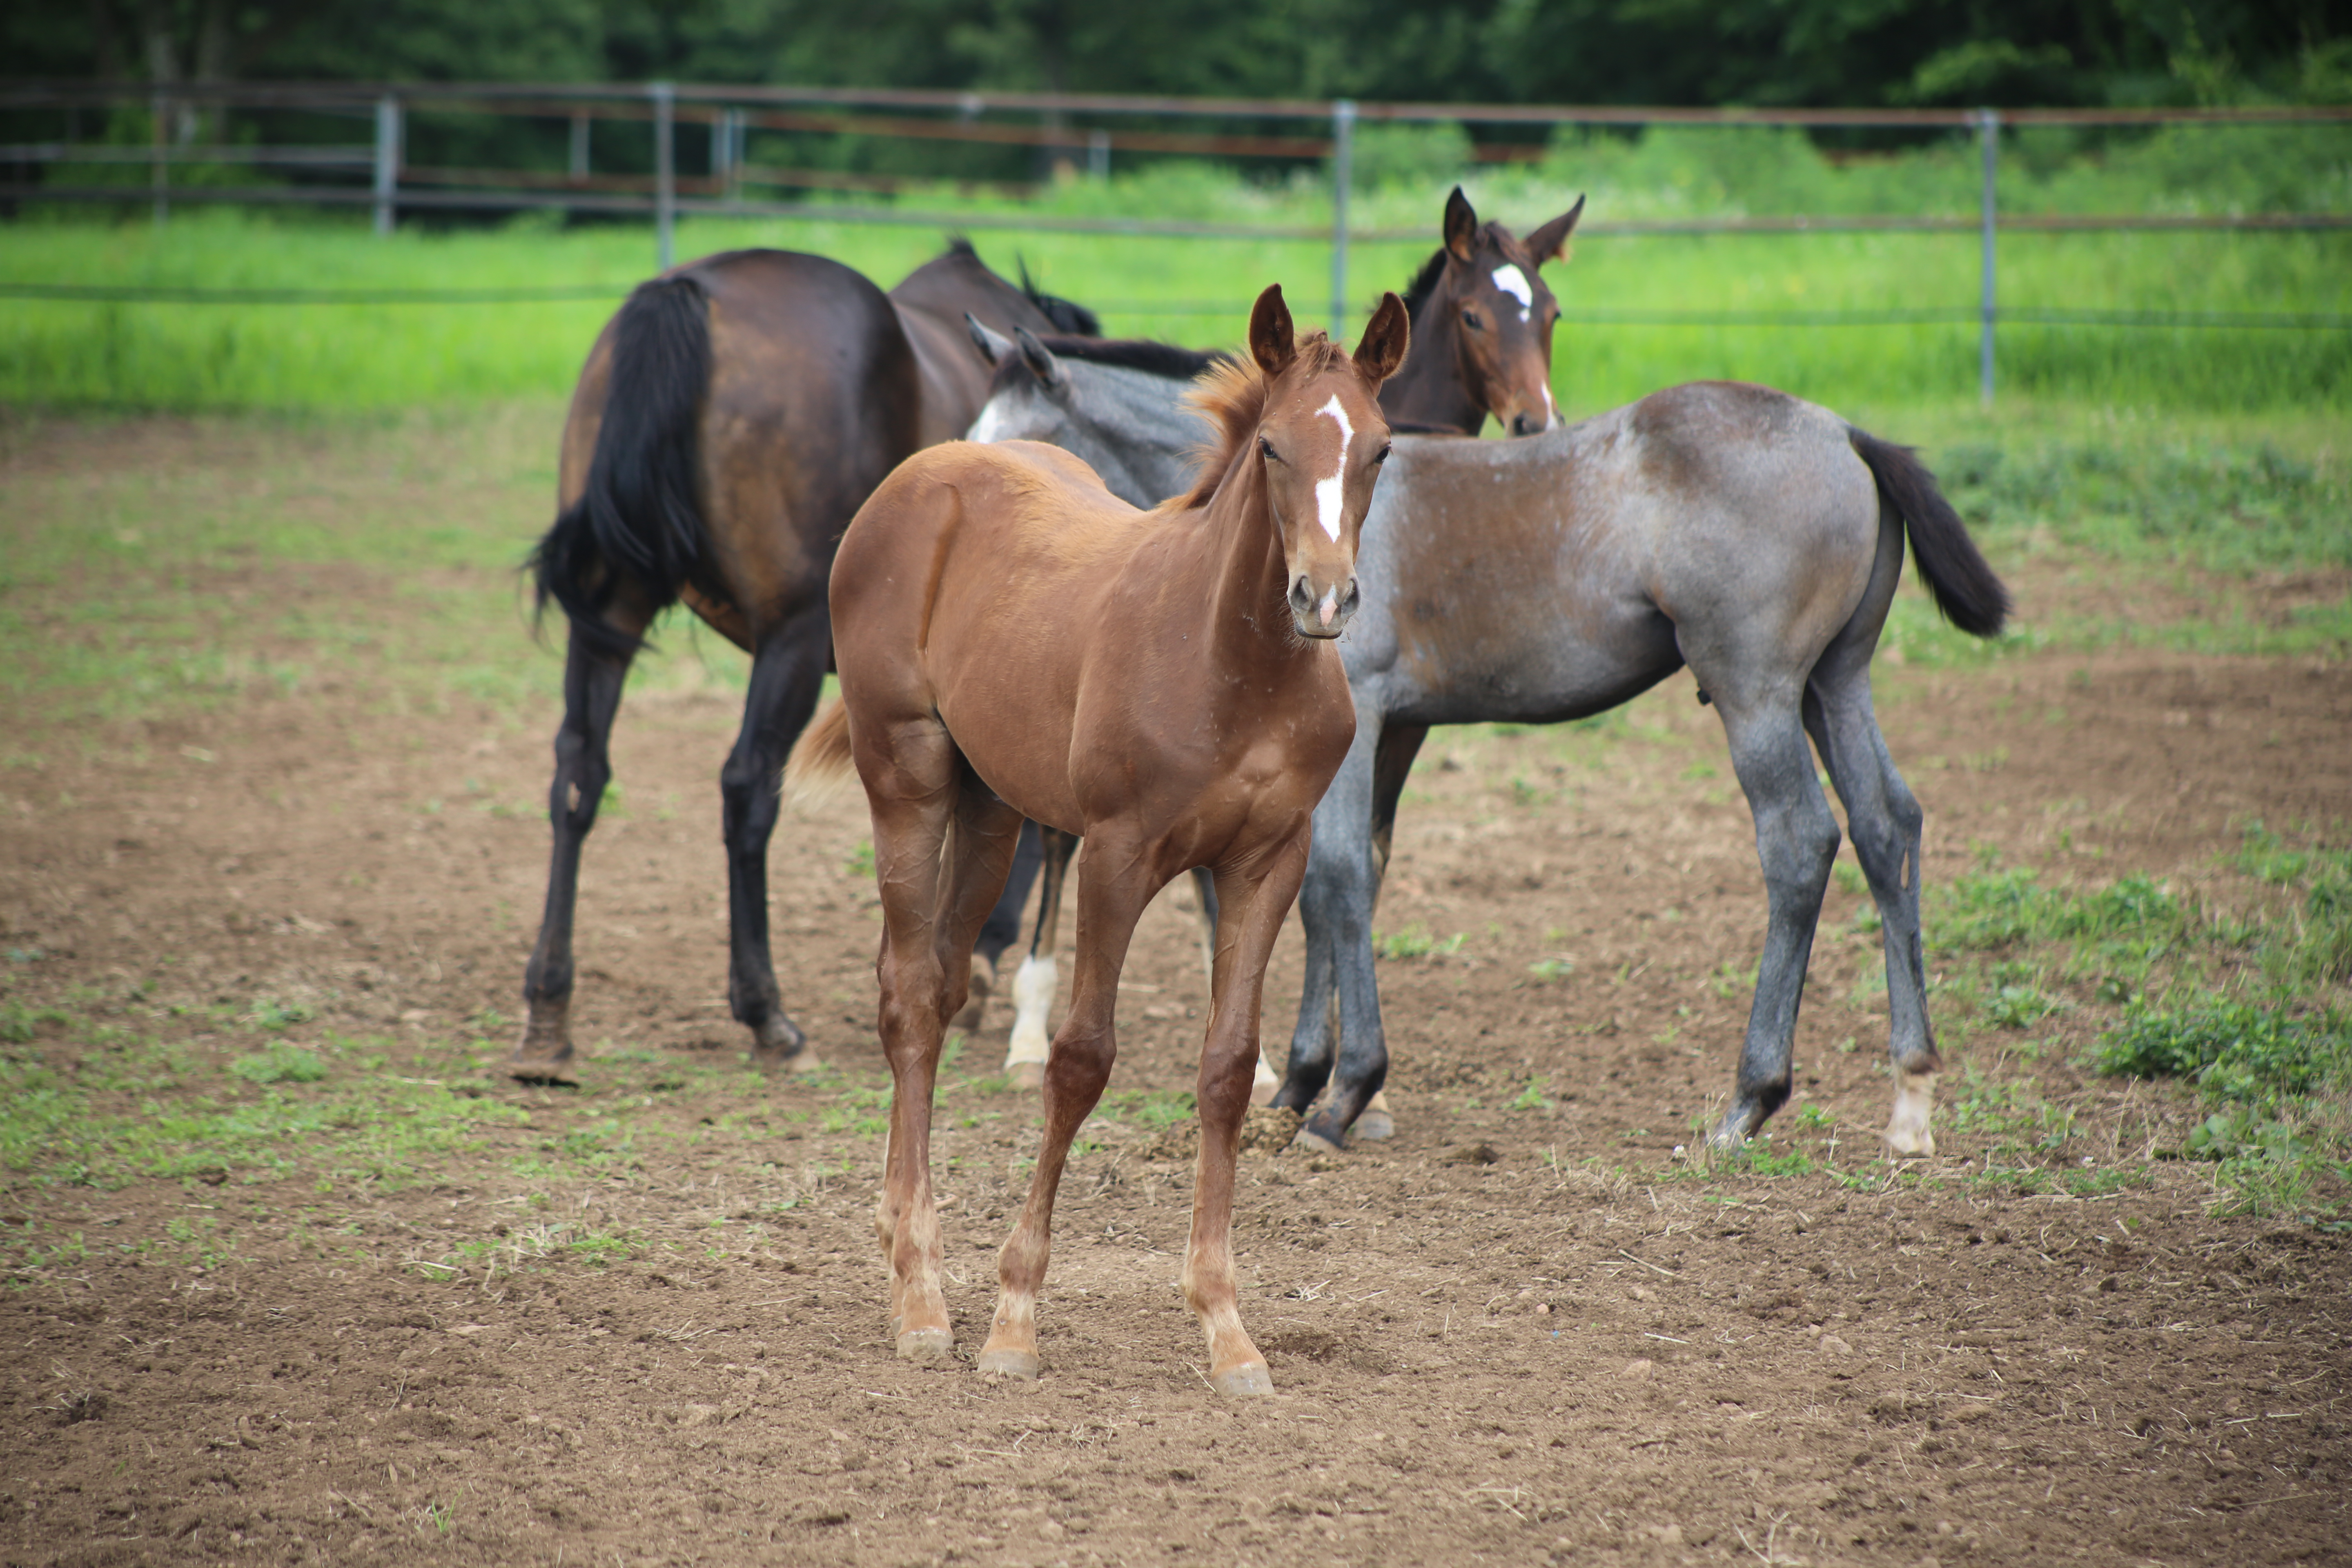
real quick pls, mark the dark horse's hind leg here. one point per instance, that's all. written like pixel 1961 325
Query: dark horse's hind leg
pixel 1796 839
pixel 787 672
pixel 594 670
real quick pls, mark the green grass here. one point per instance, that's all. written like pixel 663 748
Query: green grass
pixel 190 356
pixel 2238 1002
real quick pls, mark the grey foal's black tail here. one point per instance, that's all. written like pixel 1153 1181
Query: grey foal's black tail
pixel 1957 575
pixel 638 516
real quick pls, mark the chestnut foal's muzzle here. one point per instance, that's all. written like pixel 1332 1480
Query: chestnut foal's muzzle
pixel 1323 614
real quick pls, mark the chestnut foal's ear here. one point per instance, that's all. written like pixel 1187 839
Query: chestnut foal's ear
pixel 1461 227
pixel 1550 242
pixel 1386 338
pixel 1270 340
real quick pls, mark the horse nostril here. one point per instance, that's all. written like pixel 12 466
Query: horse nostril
pixel 1302 597
pixel 1523 425
pixel 1351 598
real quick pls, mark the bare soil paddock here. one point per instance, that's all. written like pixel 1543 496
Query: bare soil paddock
pixel 642 1321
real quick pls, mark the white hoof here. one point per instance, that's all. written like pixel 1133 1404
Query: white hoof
pixel 1907 1132
pixel 1032 999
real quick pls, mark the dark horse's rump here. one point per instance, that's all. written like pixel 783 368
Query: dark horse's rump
pixel 730 420
pixel 639 510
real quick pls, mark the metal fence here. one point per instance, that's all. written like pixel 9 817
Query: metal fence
pixel 377 174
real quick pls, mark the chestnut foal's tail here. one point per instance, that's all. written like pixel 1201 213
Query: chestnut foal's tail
pixel 638 518
pixel 822 763
pixel 1956 570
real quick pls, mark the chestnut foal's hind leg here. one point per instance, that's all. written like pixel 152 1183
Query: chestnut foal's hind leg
pixel 1109 903
pixel 593 673
pixel 1251 912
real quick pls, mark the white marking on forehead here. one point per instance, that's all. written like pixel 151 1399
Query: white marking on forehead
pixel 1328 492
pixel 988 425
pixel 1514 282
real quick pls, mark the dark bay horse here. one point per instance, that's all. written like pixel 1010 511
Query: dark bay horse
pixel 1756 538
pixel 1482 337
pixel 1014 641
pixel 730 419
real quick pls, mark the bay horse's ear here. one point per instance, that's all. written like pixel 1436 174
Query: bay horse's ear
pixel 1550 242
pixel 1460 225
pixel 1038 357
pixel 994 347
pixel 1386 337
pixel 1270 340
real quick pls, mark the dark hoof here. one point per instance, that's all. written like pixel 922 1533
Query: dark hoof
pixel 544 1055
pixel 779 1043
pixel 975 1008
pixel 1325 1129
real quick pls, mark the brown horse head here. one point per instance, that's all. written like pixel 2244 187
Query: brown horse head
pixel 1319 441
pixel 1482 322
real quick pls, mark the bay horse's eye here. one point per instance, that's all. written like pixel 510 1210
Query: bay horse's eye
pixel 1474 322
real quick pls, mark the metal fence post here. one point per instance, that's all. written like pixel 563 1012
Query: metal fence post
pixel 1098 155
pixel 665 172
pixel 1343 150
pixel 387 162
pixel 1989 133
pixel 578 166
pixel 159 173
pixel 727 154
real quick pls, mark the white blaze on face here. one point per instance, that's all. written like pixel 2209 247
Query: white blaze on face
pixel 1328 492
pixel 1551 409
pixel 1514 282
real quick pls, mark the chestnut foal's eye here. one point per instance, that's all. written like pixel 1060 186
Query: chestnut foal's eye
pixel 1383 455
pixel 1266 446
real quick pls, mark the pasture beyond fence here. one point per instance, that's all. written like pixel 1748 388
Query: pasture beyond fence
pixel 1072 135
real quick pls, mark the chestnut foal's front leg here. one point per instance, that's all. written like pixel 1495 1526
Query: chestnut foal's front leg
pixel 1250 907
pixel 930 912
pixel 1109 903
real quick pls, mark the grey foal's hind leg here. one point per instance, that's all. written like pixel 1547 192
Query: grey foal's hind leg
pixel 1883 820
pixel 1033 985
pixel 1796 839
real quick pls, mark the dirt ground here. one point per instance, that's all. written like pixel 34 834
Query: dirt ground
pixel 1523 1330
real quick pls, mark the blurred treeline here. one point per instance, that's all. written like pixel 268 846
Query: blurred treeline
pixel 1687 52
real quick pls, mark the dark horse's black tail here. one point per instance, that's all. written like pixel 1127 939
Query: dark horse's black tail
pixel 638 517
pixel 1956 570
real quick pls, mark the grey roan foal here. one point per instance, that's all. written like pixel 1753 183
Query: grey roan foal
pixel 1757 538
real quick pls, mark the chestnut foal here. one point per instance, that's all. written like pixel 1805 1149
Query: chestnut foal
pixel 1014 641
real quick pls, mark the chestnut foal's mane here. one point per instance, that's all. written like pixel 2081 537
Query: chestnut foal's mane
pixel 1231 397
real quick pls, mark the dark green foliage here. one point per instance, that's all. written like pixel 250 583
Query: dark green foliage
pixel 1621 51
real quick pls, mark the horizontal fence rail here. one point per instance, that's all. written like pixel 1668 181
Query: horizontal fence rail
pixel 381 178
